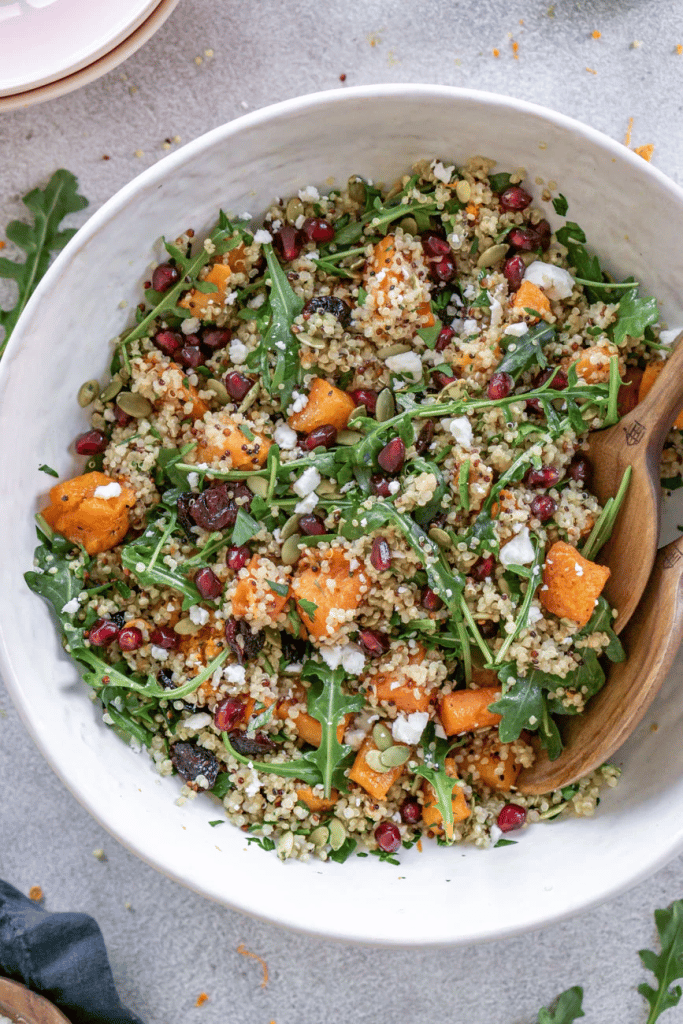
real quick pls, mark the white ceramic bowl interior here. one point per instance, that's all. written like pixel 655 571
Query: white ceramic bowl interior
pixel 632 215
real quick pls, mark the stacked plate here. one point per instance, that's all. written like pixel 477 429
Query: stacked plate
pixel 50 47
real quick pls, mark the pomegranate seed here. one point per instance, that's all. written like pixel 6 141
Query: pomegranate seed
pixel 317 230
pixel 93 442
pixel 392 456
pixel 366 397
pixel 388 836
pixel 237 385
pixel 322 437
pixel 130 638
pixel 237 557
pixel 228 712
pixel 169 342
pixel 311 525
pixel 373 642
pixel 514 198
pixel 430 600
pixel 546 476
pixel 511 817
pixel 500 386
pixel 208 584
pixel 191 356
pixel 425 437
pixel 526 239
pixel 218 338
pixel 164 637
pixel 122 418
pixel 103 632
pixel 514 270
pixel 483 568
pixel 380 556
pixel 164 276
pixel 435 246
pixel 544 232
pixel 442 379
pixel 580 470
pixel 444 338
pixel 560 380
pixel 411 812
pixel 379 485
pixel 443 269
pixel 543 507
pixel 288 242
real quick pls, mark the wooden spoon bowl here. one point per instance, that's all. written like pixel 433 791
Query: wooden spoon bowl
pixel 26 1007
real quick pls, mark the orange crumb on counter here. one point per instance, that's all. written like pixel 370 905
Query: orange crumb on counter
pixel 645 151
pixel 243 951
pixel 419 846
pixel 2 244
pixel 629 130
pixel 515 49
pixel 596 34
pixel 679 48
pixel 35 893
pixel 201 999
pixel 591 71
pixel 496 53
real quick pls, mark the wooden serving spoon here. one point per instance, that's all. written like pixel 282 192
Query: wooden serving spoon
pixel 636 441
pixel 27 1007
pixel 651 640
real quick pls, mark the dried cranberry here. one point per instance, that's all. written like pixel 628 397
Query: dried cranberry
pixel 433 245
pixel 511 817
pixel 580 470
pixel 317 230
pixel 119 618
pixel 165 679
pixel 514 198
pixel 217 506
pixel 392 456
pixel 191 356
pixel 190 761
pixel 546 476
pixel 228 712
pixel 237 385
pixel 500 386
pixel 169 342
pixel 411 812
pixel 373 642
pixel 380 555
pixel 483 568
pixel 488 628
pixel 288 242
pixel 444 338
pixel 514 270
pixel 323 436
pixel 526 239
pixel 425 437
pixel 544 232
pixel 164 276
pixel 130 638
pixel 103 632
pixel 311 526
pixel 430 600
pixel 237 557
pixel 379 485
pixel 251 746
pixel 443 269
pixel 217 338
pixel 441 379
pixel 208 584
pixel 185 502
pixel 388 836
pixel 164 637
pixel 242 641
pixel 93 442
pixel 366 397
pixel 328 304
pixel 543 507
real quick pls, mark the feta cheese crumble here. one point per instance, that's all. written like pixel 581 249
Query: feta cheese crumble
pixel 111 490
pixel 409 728
pixel 556 282
pixel 309 194
pixel 516 330
pixel 350 657
pixel 461 429
pixel 71 606
pixel 238 352
pixel 234 673
pixel 262 236
pixel 307 482
pixel 199 616
pixel 408 364
pixel 519 550
pixel 285 437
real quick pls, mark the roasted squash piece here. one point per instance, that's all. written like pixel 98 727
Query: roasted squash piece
pixel 229 440
pixel 310 584
pixel 98 523
pixel 253 597
pixel 406 695
pixel 326 405
pixel 205 305
pixel 571 583
pixel 431 815
pixel 308 727
pixel 593 365
pixel 314 802
pixel 171 384
pixel 377 784
pixel 384 271
pixel 530 296
pixel 465 710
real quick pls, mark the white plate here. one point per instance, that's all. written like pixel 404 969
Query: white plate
pixel 631 213
pixel 43 40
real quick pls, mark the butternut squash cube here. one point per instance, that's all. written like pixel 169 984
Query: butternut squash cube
pixel 333 590
pixel 465 710
pixel 593 365
pixel 326 405
pixel 377 784
pixel 407 695
pixel 95 522
pixel 226 439
pixel 571 583
pixel 492 769
pixel 530 296
pixel 253 598
pixel 308 727
pixel 431 815
pixel 316 803
pixel 205 305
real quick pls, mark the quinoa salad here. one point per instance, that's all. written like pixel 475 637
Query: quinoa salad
pixel 333 556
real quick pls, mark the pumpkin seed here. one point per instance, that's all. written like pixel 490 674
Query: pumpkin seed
pixel 133 404
pixel 393 350
pixel 258 485
pixel 326 487
pixel 451 388
pixel 360 410
pixel 492 255
pixel 291 549
pixel 338 834
pixel 294 210
pixel 186 627
pixel 88 392
pixel 112 389
pixel 372 759
pixel 355 264
pixel 382 737
pixel 356 189
pixel 250 398
pixel 219 390
pixel 439 537
pixel 409 225
pixel 312 341
pixel 386 406
pixel 463 191
pixel 349 437
pixel 290 526
pixel 285 845
pixel 319 836
pixel 395 756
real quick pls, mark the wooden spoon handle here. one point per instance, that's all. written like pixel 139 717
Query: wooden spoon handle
pixel 651 640
pixel 654 416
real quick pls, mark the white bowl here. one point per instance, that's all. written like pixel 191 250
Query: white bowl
pixel 632 214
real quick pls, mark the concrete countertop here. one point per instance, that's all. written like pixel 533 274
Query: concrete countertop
pixel 208 64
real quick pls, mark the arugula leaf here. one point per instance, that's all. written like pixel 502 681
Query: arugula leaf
pixel 601 622
pixel 568 1008
pixel 282 589
pixel 169 458
pixel 504 842
pixel 430 334
pixel 634 315
pixel 499 182
pixel 667 967
pixel 222 785
pixel 244 529
pixel 39 240
pixel 344 852
pixel 285 305
pixel 560 205
pixel 523 705
pixel 308 607
pixel 526 351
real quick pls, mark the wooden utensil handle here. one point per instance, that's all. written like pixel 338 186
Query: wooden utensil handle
pixel 654 416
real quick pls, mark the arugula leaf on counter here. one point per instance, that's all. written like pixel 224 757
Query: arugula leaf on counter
pixel 567 1008
pixel 667 967
pixel 39 240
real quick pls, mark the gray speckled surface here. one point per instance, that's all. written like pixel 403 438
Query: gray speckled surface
pixel 166 944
